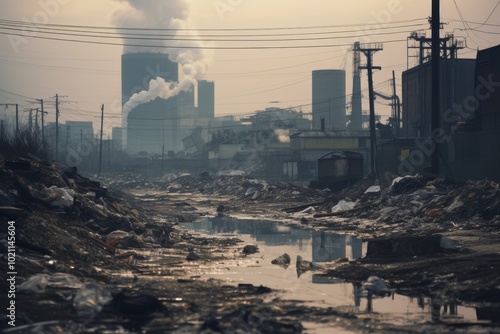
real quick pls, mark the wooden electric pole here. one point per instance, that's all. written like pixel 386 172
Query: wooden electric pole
pixel 57 124
pixel 100 146
pixel 369 50
pixel 43 124
pixel 30 120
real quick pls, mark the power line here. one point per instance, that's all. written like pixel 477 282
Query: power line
pixel 19 95
pixel 206 40
pixel 475 22
pixel 219 29
pixel 466 25
pixel 492 11
pixel 23 26
pixel 195 46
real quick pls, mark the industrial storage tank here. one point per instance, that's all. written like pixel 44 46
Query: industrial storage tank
pixel 329 99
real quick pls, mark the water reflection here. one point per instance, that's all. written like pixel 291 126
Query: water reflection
pixel 271 234
pixel 275 239
pixel 329 247
pixel 326 247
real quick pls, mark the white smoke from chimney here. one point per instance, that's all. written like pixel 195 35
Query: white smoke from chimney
pixel 162 14
pixel 283 135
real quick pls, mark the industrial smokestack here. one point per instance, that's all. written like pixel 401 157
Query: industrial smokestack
pixel 160 14
pixel 356 108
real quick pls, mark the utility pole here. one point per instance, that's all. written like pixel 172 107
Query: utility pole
pixel 436 58
pixel 100 145
pixel 162 157
pixel 109 154
pixel 57 128
pixel 396 105
pixel 369 50
pixel 30 120
pixel 57 123
pixel 43 125
pixel 17 115
pixel 37 127
pixel 17 120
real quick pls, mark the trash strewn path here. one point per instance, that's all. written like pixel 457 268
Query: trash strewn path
pixel 95 259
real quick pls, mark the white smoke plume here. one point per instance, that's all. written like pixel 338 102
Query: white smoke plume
pixel 163 14
pixel 282 135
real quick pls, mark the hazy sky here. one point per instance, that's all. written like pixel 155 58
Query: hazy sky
pixel 245 80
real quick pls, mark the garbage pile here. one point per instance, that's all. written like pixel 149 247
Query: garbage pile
pixel 423 199
pixel 243 188
pixel 126 181
pixel 69 218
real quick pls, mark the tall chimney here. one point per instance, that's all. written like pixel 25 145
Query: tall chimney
pixel 356 108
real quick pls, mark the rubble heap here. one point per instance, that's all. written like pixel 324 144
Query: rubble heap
pixel 76 220
pixel 83 263
pixel 413 200
pixel 125 181
pixel 243 188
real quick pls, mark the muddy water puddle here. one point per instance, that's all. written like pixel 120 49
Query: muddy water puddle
pixel 274 239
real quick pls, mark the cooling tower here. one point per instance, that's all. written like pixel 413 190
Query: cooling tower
pixel 328 99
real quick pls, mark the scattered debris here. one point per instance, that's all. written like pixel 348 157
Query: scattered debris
pixel 250 288
pixel 90 299
pixel 304 265
pixel 136 307
pixel 250 249
pixel 282 260
pixel 192 256
pixel 373 189
pixel 37 283
pixel 343 206
pixel 376 287
pixel 411 201
pixel 71 231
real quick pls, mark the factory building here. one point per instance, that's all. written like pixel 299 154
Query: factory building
pixel 473 148
pixel 159 126
pixel 206 99
pixel 457 83
pixel 329 100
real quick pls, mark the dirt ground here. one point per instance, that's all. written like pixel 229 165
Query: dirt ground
pixel 148 280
